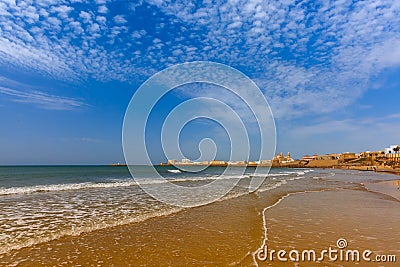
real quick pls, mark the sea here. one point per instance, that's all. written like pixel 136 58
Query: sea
pixel 43 203
pixel 39 204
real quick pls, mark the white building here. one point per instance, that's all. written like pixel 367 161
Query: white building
pixel 390 150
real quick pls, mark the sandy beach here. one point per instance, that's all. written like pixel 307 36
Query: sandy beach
pixel 365 221
pixel 199 133
pixel 309 213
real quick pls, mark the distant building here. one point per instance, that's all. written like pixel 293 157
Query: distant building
pixel 177 162
pixel 347 156
pixel 308 158
pixel 393 153
pixel 265 161
pixel 326 157
pixel 393 149
pixel 280 158
pixel 218 163
pixel 373 154
pixel 394 157
pixel 172 162
pixel 186 161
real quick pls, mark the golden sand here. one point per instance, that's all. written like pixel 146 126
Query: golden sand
pixel 367 221
pixel 226 233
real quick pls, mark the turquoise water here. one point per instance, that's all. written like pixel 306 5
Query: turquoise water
pixel 20 176
pixel 43 203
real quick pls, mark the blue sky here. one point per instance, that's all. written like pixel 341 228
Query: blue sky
pixel 329 69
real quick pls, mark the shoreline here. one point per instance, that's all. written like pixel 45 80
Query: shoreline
pixel 260 250
pixel 390 188
pixel 371 168
pixel 324 164
pixel 369 232
pixel 234 224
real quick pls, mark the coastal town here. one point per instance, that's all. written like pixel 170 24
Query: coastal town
pixel 387 159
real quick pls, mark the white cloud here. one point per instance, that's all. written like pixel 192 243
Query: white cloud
pixel 63 10
pixel 293 51
pixel 86 16
pixel 39 58
pixel 24 93
pixel 338 26
pixel 103 9
pixel 338 136
pixel 42 100
pixel 120 19
pixel 94 28
pixel 87 140
pixel 384 55
pixel 394 116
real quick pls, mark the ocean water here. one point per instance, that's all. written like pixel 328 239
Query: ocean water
pixel 43 203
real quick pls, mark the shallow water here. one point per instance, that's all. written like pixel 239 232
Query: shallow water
pixel 316 221
pixel 39 204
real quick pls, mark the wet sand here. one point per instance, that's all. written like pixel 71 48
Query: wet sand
pixel 318 220
pixel 226 233
pixel 391 188
pixel 216 234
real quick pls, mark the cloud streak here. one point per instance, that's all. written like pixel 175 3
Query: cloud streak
pixel 42 100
